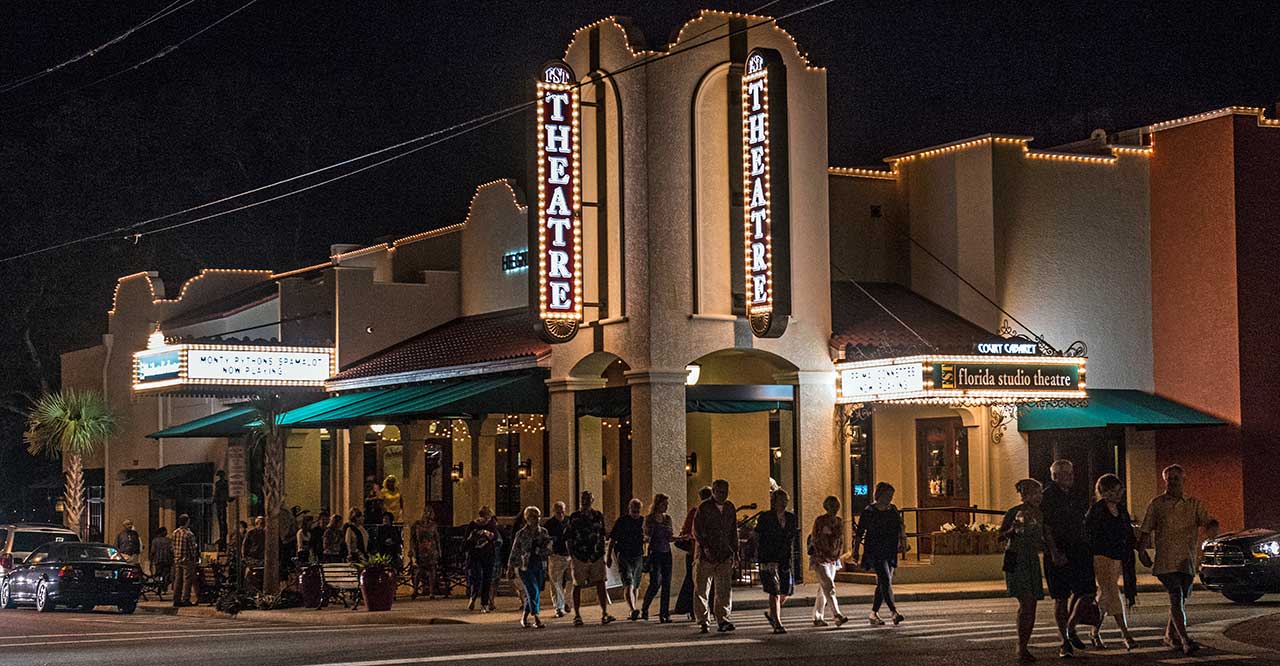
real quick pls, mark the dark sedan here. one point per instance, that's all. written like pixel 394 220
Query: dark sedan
pixel 77 575
pixel 1243 566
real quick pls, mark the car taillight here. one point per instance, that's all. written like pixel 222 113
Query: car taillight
pixel 6 562
pixel 67 571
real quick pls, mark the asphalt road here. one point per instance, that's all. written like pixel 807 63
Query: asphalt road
pixel 953 633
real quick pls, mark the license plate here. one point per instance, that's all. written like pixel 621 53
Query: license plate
pixel 104 574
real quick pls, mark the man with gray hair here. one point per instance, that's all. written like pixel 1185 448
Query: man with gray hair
pixel 1068 563
pixel 559 564
pixel 1175 519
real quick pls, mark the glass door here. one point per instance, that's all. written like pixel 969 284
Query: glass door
pixel 942 463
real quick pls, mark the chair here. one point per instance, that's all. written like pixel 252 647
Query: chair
pixel 340 580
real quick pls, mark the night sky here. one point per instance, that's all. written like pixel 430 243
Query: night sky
pixel 286 86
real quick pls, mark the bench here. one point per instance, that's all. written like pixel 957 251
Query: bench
pixel 340 580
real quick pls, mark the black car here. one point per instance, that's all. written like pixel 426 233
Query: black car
pixel 78 575
pixel 1243 566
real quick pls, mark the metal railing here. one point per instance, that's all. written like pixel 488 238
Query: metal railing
pixel 970 513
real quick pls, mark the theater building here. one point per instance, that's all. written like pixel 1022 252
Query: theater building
pixel 680 289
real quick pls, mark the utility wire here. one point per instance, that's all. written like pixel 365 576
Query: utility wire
pixel 19 82
pixel 158 55
pixel 975 289
pixel 884 307
pixel 459 129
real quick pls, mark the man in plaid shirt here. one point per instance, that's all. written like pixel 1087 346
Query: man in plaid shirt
pixel 186 553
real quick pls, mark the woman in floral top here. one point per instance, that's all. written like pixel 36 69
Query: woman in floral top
pixel 530 549
pixel 827 546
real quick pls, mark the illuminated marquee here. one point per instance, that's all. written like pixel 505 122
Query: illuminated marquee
pixel 559 213
pixel 766 193
pixel 197 366
pixel 962 380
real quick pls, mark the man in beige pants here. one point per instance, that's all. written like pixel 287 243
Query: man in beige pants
pixel 715 529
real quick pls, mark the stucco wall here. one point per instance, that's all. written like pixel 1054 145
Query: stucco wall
pixel 372 316
pixel 496 225
pixel 1074 259
pixel 1257 153
pixel 864 247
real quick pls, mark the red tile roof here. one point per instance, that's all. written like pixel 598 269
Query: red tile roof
pixel 496 336
pixel 860 327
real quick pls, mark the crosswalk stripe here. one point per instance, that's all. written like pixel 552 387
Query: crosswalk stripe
pixel 1050 631
pixel 1206 659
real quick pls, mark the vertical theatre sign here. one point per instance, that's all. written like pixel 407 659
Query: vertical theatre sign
pixel 559 215
pixel 766 193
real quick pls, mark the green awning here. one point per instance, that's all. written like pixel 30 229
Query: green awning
pixel 521 393
pixel 231 422
pixel 1116 407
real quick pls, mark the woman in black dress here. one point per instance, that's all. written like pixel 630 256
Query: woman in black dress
pixel 777 534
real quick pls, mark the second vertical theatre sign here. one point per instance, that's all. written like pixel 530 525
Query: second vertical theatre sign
pixel 559 236
pixel 766 193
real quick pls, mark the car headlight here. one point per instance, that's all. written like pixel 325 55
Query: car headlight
pixel 1267 549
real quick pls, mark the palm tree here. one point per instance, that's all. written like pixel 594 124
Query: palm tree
pixel 272 437
pixel 72 424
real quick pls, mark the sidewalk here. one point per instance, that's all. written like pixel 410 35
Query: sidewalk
pixel 454 610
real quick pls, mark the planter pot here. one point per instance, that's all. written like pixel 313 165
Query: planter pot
pixel 378 585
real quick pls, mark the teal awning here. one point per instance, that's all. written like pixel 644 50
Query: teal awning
pixel 1116 407
pixel 512 394
pixel 232 422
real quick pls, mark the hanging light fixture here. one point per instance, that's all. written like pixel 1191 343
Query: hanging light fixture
pixel 691 464
pixel 694 371
pixel 524 470
pixel 378 427
pixel 455 473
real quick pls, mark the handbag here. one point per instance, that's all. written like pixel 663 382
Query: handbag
pixel 683 543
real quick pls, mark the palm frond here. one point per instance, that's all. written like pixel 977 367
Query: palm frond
pixel 69 422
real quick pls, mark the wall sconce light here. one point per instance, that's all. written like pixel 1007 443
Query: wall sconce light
pixel 691 464
pixel 60 506
pixel 378 427
pixel 777 453
pixel 524 469
pixel 694 371
pixel 455 473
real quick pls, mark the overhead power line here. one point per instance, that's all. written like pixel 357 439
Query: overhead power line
pixel 138 65
pixel 135 230
pixel 173 7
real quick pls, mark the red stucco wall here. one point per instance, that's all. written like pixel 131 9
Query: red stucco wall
pixel 1257 195
pixel 1195 329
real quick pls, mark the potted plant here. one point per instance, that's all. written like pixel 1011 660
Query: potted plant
pixel 378 582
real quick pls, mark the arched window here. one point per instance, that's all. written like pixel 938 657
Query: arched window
pixel 714 195
pixel 602 219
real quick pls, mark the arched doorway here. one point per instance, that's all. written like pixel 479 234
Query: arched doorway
pixel 740 425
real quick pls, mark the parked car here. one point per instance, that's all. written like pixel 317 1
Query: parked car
pixel 17 540
pixel 79 575
pixel 1243 566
